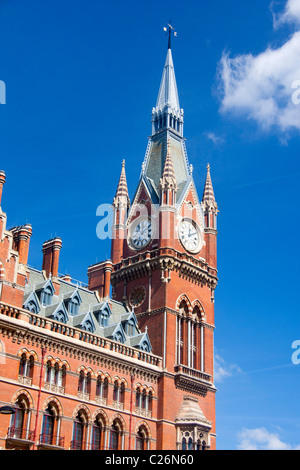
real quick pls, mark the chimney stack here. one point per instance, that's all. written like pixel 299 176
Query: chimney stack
pixel 99 278
pixel 22 235
pixel 2 182
pixel 51 250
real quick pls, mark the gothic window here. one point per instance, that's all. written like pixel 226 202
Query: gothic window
pixel 55 374
pixel 97 434
pixel 60 316
pixel 84 382
pixel 78 442
pixel 115 441
pixel 26 366
pixel 145 346
pixel 47 436
pixel 118 337
pixel 88 326
pixel 130 328
pixel 32 307
pixel 18 422
pixel 141 439
pixel 47 296
pixel 73 306
pixel 102 387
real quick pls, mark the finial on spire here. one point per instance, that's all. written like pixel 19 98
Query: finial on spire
pixel 170 29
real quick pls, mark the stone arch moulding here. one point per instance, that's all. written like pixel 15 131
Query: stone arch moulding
pixel 184 298
pixel 197 303
pixel 56 402
pixel 26 395
pixel 85 409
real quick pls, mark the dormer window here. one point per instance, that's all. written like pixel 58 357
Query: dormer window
pixel 130 328
pixel 46 297
pixel 73 306
pixel 32 307
pixel 60 316
pixel 103 318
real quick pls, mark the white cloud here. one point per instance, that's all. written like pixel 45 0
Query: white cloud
pixel 265 87
pixel 216 139
pixel 223 370
pixel 261 439
pixel 291 13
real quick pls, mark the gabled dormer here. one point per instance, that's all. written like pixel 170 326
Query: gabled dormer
pixel 142 342
pixel 31 302
pixel 130 324
pixel 87 323
pixel 115 332
pixel 58 312
pixel 72 302
pixel 102 313
pixel 45 293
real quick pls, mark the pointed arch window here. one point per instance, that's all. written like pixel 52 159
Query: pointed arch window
pixel 116 432
pixel 141 439
pixel 47 436
pixel 98 435
pixel 46 296
pixel 26 366
pixel 79 432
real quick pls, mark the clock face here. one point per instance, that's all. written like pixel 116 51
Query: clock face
pixel 137 296
pixel 141 234
pixel 190 236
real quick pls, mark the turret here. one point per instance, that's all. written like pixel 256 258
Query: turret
pixel 210 210
pixel 121 205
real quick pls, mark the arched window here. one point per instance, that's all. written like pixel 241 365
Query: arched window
pixel 98 434
pixel 47 296
pixel 141 439
pixel 47 436
pixel 55 374
pixel 115 441
pixel 84 382
pixel 26 366
pixel 73 306
pixel 78 442
pixel 18 424
pixel 183 444
pixel 32 307
pixel 119 392
pixel 60 316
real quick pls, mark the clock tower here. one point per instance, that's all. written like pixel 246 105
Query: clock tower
pixel 164 267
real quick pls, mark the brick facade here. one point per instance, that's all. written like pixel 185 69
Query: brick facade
pixel 75 386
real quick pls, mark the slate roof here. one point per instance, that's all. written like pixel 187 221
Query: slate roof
pixel 89 312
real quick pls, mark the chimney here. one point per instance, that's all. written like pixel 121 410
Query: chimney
pixel 2 182
pixel 99 278
pixel 51 250
pixel 66 278
pixel 21 236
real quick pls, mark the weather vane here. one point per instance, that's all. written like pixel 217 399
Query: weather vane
pixel 170 30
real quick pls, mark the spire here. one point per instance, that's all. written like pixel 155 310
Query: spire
pixel 208 199
pixel 122 190
pixel 168 94
pixel 208 194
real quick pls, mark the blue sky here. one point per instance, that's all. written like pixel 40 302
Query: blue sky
pixel 81 80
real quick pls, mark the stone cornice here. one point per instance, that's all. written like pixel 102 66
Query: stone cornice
pixel 98 350
pixel 143 264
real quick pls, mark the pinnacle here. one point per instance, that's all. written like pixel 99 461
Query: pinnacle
pixel 208 194
pixel 168 171
pixel 122 190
